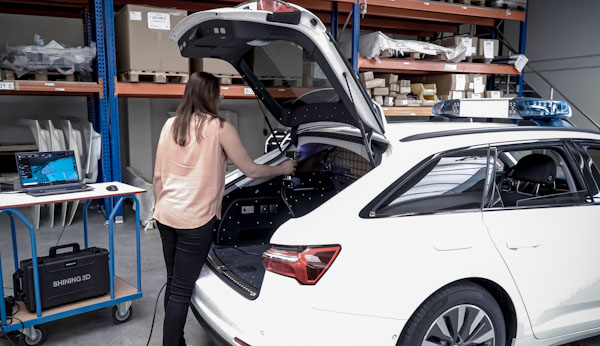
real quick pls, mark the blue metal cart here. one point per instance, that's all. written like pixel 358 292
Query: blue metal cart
pixel 121 293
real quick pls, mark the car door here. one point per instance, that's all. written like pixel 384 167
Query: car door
pixel 547 235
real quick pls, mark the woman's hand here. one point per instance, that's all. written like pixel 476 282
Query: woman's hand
pixel 288 167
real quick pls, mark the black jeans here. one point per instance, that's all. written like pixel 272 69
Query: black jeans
pixel 185 251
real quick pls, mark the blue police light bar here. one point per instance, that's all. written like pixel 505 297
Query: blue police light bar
pixel 543 112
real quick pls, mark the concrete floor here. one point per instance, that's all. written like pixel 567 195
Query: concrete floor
pixel 96 327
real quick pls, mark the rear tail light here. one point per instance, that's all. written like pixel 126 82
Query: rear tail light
pixel 275 6
pixel 306 264
pixel 240 342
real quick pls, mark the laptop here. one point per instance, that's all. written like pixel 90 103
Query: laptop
pixel 49 173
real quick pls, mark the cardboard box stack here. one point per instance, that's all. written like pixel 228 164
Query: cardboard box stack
pixel 449 86
pixel 488 50
pixel 387 89
pixel 142 40
pixel 477 85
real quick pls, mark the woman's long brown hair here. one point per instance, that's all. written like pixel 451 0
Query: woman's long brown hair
pixel 201 98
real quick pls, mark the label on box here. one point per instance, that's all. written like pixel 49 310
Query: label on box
pixel 135 15
pixel 476 96
pixel 495 94
pixel 159 21
pixel 488 49
pixel 461 82
pixel 248 91
pixel 471 85
pixel 468 41
pixel 456 94
pixel 450 67
pixel 7 86
pixel 479 88
pixel 521 62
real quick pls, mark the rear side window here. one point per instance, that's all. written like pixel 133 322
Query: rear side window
pixel 594 154
pixel 451 182
pixel 535 177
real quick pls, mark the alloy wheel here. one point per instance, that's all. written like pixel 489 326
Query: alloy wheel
pixel 461 325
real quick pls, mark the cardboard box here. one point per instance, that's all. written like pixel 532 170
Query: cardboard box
pixel 493 94
pixel 369 92
pixel 472 95
pixel 471 41
pixel 390 79
pixel 488 49
pixel 365 76
pixel 278 59
pixel 394 87
pixel 374 83
pixel 453 81
pixel 381 91
pixel 214 66
pixel 378 100
pixel 142 40
pixel 399 102
pixel 404 86
pixel 477 83
pixel 451 94
pixel 388 101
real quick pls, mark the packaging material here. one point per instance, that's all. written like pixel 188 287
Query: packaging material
pixel 472 95
pixel 477 83
pixel 428 100
pixel 388 101
pixel 217 67
pixel 365 76
pixel 278 59
pixel 470 41
pixel 404 86
pixel 423 89
pixel 369 92
pixel 488 49
pixel 376 45
pixel 494 94
pixel 142 40
pixel 132 177
pixel 50 57
pixel 401 102
pixel 451 94
pixel 394 88
pixel 378 100
pixel 452 81
pixel 381 91
pixel 374 83
pixel 390 78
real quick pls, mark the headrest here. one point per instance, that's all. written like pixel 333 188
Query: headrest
pixel 535 168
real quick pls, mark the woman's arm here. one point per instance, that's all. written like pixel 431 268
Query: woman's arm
pixel 233 147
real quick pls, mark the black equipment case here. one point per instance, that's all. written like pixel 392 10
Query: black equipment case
pixel 65 277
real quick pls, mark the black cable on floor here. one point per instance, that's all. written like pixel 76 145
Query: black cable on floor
pixel 60 236
pixel 154 315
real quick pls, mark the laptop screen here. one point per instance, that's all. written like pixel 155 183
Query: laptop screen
pixel 47 168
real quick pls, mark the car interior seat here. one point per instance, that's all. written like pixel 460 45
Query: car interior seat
pixel 525 178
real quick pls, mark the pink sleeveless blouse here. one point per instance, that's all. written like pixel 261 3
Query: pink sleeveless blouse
pixel 189 181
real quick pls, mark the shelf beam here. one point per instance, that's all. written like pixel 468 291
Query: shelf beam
pixel 156 90
pixel 32 87
pixel 407 111
pixel 420 66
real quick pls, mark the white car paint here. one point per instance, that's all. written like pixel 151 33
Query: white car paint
pixel 389 266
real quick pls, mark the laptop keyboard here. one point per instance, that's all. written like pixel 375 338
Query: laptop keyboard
pixel 58 190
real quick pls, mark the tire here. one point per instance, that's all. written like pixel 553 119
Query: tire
pixel 436 321
pixel 117 318
pixel 40 338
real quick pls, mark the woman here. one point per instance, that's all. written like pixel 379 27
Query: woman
pixel 188 188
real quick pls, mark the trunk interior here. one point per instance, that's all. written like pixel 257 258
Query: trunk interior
pixel 251 214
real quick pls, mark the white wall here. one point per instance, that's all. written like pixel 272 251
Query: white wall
pixel 565 31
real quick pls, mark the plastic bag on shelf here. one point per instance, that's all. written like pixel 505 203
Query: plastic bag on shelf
pixel 376 45
pixel 50 57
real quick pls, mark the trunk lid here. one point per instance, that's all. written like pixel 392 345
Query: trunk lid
pixel 272 50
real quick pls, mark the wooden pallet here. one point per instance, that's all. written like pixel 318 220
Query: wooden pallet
pixel 155 77
pixel 41 76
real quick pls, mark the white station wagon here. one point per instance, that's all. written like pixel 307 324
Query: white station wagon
pixel 449 232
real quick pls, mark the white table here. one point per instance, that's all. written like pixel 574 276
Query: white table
pixel 121 293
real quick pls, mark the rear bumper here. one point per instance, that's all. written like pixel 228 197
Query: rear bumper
pixel 282 315
pixel 216 337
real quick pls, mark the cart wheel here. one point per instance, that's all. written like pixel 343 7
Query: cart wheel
pixel 118 318
pixel 40 337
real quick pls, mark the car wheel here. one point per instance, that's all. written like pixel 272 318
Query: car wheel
pixel 462 314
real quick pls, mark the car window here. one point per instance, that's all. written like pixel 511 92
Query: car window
pixel 540 177
pixel 594 154
pixel 448 183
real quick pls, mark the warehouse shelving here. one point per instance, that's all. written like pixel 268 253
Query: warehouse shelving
pixel 30 87
pixel 425 66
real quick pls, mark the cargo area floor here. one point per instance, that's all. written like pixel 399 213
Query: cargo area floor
pixel 244 261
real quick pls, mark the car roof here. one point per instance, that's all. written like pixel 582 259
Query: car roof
pixel 408 132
